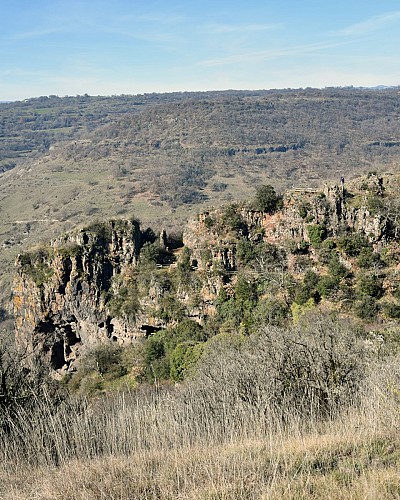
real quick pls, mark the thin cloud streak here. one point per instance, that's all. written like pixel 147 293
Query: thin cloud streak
pixel 245 28
pixel 271 54
pixel 144 37
pixel 36 34
pixel 371 24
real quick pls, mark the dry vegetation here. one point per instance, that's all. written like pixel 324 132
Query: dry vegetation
pixel 232 431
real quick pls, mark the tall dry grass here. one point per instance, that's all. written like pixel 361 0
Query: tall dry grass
pixel 207 439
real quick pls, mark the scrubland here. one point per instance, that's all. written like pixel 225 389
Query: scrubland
pixel 311 411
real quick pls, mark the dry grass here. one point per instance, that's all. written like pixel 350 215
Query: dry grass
pixel 313 466
pixel 169 443
pixel 204 440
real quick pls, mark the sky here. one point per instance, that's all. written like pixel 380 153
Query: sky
pixel 112 47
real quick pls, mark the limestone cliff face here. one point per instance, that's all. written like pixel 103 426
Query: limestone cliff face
pixel 332 209
pixel 60 291
pixel 87 287
pixel 95 284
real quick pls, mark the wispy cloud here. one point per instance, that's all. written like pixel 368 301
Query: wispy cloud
pixel 240 28
pixel 372 24
pixel 263 55
pixel 150 37
pixel 27 35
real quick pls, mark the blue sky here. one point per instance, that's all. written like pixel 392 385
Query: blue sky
pixel 110 47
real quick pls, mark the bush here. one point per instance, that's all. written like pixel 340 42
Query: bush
pixel 304 210
pixel 367 258
pixel 328 286
pixel 37 265
pixel 370 285
pixel 314 369
pixel 336 268
pixel 352 244
pixel 171 352
pixel 97 368
pixel 392 310
pixel 183 358
pixel 316 234
pixel 233 220
pixel 245 251
pixel 125 303
pixel 367 308
pixel 269 311
pixel 154 253
pixel 156 364
pixel 267 200
pixel 307 289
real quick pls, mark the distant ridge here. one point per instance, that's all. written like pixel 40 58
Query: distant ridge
pixel 382 87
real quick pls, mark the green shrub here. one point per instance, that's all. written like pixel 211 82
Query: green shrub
pixel 310 279
pixel 233 220
pixel 101 231
pixel 375 204
pixel 367 308
pixel 300 247
pixel 185 331
pixel 367 258
pixel 266 199
pixel 183 358
pixel 246 251
pixel 328 286
pixel 352 244
pixel 97 368
pixel 37 265
pixel 304 210
pixel 209 222
pixel 154 253
pixel 170 308
pixel 299 310
pixel 171 352
pixel 308 289
pixel 336 268
pixel 392 310
pixel 184 264
pixel 125 303
pixel 316 234
pixel 369 284
pixel 271 311
pixel 326 251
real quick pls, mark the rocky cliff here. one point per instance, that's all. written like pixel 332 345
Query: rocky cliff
pixel 60 291
pixel 333 210
pixel 113 282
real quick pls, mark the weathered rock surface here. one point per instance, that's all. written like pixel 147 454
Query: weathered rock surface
pixel 68 296
pixel 330 209
pixel 60 292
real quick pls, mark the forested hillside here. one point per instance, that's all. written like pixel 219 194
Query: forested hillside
pixel 68 161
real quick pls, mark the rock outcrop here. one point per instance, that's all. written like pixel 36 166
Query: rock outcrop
pixel 60 292
pixel 332 209
pixel 93 285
